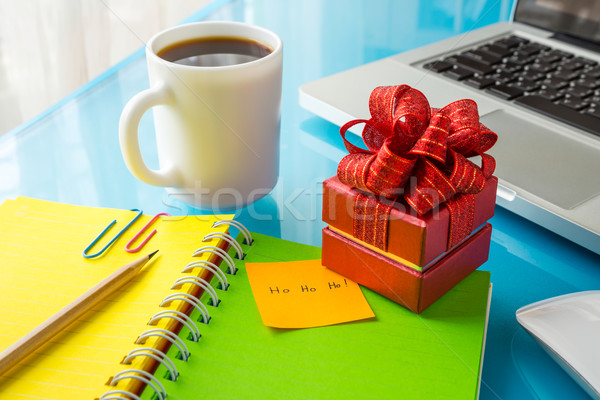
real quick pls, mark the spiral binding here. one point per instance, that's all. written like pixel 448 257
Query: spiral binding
pixel 184 319
pixel 188 298
pixel 242 229
pixel 155 354
pixel 114 395
pixel 146 378
pixel 201 283
pixel 219 252
pixel 180 317
pixel 212 268
pixel 167 335
pixel 228 239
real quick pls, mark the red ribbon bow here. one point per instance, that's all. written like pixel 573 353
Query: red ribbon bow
pixel 406 138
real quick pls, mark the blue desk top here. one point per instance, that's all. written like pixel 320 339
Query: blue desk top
pixel 71 154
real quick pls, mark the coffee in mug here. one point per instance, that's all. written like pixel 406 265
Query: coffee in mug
pixel 215 51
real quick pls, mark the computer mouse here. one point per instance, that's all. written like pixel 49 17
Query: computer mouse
pixel 568 328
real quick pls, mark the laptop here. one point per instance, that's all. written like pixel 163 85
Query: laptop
pixel 536 80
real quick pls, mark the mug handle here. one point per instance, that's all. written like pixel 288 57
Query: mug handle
pixel 129 141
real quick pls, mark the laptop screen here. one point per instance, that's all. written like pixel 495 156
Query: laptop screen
pixel 578 18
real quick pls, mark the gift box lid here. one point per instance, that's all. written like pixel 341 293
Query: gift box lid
pixel 415 239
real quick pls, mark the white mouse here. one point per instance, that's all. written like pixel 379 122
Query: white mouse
pixel 568 328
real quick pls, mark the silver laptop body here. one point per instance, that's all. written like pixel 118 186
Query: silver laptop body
pixel 549 171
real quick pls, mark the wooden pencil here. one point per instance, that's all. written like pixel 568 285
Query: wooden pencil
pixel 25 346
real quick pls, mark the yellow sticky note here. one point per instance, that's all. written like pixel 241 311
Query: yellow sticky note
pixel 304 294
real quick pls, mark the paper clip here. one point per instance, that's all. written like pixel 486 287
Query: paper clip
pixel 137 235
pixel 85 251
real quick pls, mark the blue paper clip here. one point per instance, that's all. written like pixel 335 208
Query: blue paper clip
pixel 137 235
pixel 85 252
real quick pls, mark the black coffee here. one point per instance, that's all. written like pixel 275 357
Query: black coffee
pixel 214 51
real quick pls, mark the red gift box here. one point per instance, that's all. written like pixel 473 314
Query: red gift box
pixel 402 210
pixel 416 240
pixel 404 285
pixel 413 192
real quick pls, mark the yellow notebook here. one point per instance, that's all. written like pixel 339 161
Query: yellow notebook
pixel 42 270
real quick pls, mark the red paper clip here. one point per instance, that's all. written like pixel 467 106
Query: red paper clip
pixel 137 235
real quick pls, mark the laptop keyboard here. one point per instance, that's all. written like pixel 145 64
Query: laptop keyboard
pixel 553 82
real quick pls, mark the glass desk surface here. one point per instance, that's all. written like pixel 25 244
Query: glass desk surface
pixel 71 154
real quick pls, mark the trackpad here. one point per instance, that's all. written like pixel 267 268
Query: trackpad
pixel 542 161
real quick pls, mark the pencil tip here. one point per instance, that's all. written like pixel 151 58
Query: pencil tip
pixel 152 254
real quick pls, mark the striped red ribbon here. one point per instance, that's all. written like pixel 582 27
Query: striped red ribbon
pixel 420 153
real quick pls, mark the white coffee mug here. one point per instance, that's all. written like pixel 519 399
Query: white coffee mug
pixel 217 127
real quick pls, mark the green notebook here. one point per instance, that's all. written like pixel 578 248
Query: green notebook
pixel 397 355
